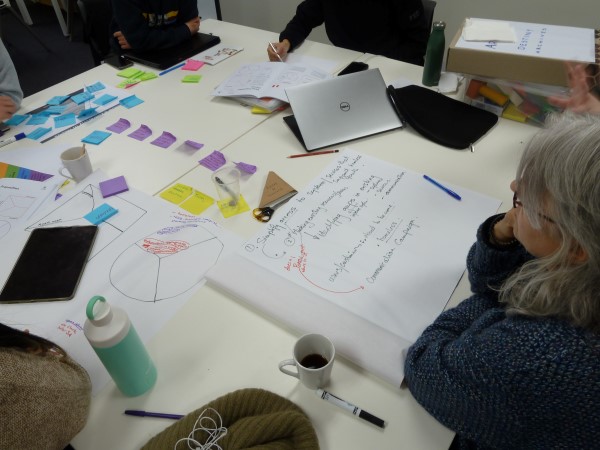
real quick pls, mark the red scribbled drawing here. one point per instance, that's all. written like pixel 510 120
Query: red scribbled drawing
pixel 159 247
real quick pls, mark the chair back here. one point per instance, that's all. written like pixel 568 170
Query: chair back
pixel 96 16
pixel 429 9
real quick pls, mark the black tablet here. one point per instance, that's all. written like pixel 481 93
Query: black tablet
pixel 50 265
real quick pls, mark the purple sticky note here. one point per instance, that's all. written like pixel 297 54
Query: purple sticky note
pixel 141 133
pixel 119 126
pixel 113 186
pixel 213 161
pixel 164 140
pixel 196 145
pixel 244 167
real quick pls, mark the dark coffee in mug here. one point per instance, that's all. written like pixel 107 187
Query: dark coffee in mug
pixel 313 361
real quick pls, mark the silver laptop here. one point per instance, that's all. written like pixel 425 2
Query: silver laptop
pixel 341 109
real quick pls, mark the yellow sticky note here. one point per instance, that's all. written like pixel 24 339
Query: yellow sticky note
pixel 130 72
pixel 227 210
pixel 191 79
pixel 259 110
pixel 197 203
pixel 177 193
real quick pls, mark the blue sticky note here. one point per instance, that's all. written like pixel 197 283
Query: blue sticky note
pixel 100 214
pixel 38 133
pixel 57 100
pixel 55 109
pixel 37 119
pixel 16 119
pixel 65 120
pixel 89 112
pixel 131 101
pixel 96 137
pixel 98 86
pixel 82 97
pixel 106 98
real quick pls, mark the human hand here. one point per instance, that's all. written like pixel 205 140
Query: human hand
pixel 503 231
pixel 281 50
pixel 7 107
pixel 193 25
pixel 580 99
pixel 122 41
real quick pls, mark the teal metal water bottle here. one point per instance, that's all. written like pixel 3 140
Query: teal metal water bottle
pixel 117 344
pixel 434 55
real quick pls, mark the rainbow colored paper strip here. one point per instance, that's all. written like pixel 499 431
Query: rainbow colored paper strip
pixel 10 171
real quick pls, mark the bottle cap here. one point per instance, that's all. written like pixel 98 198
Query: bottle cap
pixel 439 24
pixel 98 311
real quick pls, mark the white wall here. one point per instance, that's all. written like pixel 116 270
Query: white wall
pixel 273 15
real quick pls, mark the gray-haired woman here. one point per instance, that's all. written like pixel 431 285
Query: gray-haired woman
pixel 517 364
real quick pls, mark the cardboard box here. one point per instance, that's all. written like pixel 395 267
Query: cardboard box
pixel 522 102
pixel 538 55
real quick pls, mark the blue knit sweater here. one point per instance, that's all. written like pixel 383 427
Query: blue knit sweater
pixel 507 381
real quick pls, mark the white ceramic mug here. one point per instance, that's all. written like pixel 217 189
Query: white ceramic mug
pixel 76 161
pixel 313 357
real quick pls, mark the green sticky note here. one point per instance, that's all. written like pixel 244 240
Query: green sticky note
pixel 191 79
pixel 130 72
pixel 147 76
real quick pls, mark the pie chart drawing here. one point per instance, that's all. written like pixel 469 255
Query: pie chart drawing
pixel 165 264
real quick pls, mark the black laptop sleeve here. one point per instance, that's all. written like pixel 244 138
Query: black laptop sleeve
pixel 441 119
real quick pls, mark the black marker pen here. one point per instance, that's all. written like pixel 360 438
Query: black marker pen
pixel 350 407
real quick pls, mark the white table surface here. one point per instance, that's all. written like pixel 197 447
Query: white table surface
pixel 216 344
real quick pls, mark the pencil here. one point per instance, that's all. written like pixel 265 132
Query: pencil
pixel 274 50
pixel 325 152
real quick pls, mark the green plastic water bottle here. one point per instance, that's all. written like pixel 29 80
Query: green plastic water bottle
pixel 434 55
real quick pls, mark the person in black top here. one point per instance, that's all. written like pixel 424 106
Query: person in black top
pixel 152 24
pixel 396 29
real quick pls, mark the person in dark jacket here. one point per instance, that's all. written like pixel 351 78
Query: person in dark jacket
pixel 396 29
pixel 152 24
pixel 517 364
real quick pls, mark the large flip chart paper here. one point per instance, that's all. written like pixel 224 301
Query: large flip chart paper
pixel 365 242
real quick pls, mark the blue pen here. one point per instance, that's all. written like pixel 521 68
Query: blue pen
pixel 138 413
pixel 170 69
pixel 443 188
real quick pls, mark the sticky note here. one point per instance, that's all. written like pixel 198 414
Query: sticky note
pixel 38 133
pixel 177 193
pixel 37 119
pixel 98 86
pixel 65 120
pixel 54 109
pixel 227 210
pixel 213 161
pixel 95 137
pixel 131 101
pixel 141 133
pixel 113 186
pixel 191 79
pixel 192 64
pixel 244 167
pixel 82 98
pixel 130 72
pixel 187 198
pixel 105 99
pixel 57 100
pixel 87 113
pixel 196 145
pixel 16 119
pixel 128 83
pixel 165 140
pixel 100 214
pixel 119 126
pixel 148 76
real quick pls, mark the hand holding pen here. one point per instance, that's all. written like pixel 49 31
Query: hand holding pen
pixel 278 51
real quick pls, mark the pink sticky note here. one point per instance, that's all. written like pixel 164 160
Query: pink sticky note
pixel 213 161
pixel 196 145
pixel 244 167
pixel 192 64
pixel 164 140
pixel 119 126
pixel 141 133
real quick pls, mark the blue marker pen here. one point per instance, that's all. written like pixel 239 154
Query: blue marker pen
pixel 443 188
pixel 170 69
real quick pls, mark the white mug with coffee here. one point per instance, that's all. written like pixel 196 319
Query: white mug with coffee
pixel 313 358
pixel 77 161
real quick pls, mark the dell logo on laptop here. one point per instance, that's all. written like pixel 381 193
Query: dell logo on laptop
pixel 345 106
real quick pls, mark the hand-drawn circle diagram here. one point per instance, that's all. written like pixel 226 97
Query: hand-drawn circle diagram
pixel 165 264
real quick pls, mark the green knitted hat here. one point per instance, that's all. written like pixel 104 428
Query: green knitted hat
pixel 255 419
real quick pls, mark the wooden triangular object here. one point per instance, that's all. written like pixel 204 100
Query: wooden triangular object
pixel 274 188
